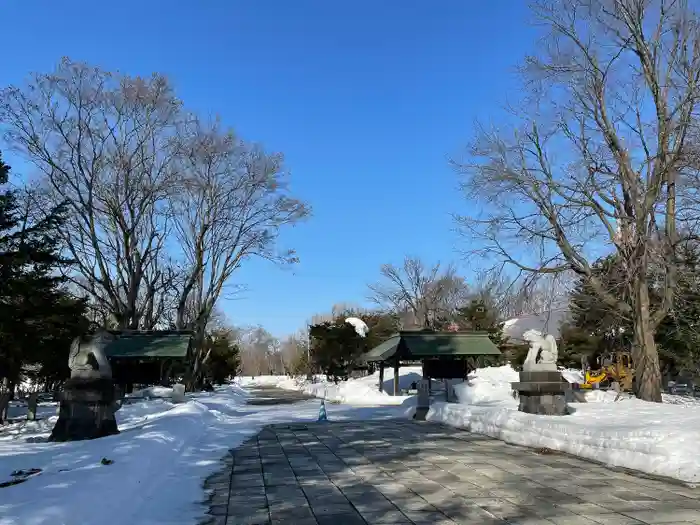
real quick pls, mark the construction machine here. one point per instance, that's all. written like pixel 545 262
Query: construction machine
pixel 615 367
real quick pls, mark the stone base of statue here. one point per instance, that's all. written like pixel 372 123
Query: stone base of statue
pixel 87 410
pixel 543 390
pixel 423 400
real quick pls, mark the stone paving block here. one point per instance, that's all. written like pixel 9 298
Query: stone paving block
pixel 668 516
pixel 440 497
pixel 570 520
pixel 386 518
pixel 293 521
pixel 680 504
pixel 340 519
pixel 249 518
pixel 412 504
pixel 632 496
pixel 617 519
pixel 530 521
pixel 213 520
pixel 427 518
pixel 548 510
pixel 284 512
pixel 471 515
pixel 624 507
pixel 256 503
pixel 667 495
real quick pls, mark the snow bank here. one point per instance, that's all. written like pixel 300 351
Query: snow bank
pixel 160 459
pixel 489 385
pixel 152 392
pixel 572 375
pixel 363 391
pixel 659 439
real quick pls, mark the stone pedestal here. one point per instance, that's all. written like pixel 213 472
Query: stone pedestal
pixel 178 395
pixel 542 392
pixel 423 401
pixel 86 411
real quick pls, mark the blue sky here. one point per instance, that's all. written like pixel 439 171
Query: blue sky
pixel 367 99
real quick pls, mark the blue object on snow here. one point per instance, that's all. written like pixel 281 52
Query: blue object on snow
pixel 322 417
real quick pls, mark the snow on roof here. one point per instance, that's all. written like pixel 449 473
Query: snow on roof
pixel 546 322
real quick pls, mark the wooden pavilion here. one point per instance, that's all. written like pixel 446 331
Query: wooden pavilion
pixel 443 354
pixel 147 356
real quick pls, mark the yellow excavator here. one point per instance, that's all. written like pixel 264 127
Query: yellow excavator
pixel 615 367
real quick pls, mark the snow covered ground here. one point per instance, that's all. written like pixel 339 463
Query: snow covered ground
pixel 160 459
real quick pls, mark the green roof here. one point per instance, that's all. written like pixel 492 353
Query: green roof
pixel 382 352
pixel 424 343
pixel 158 344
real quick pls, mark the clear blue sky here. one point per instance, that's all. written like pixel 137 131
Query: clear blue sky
pixel 367 99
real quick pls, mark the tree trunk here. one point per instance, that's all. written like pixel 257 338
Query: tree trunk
pixel 31 406
pixel 4 406
pixel 194 376
pixel 646 357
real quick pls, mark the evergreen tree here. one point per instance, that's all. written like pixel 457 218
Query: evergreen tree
pixel 480 316
pixel 37 317
pixel 224 359
pixel 336 347
pixel 679 333
pixel 593 329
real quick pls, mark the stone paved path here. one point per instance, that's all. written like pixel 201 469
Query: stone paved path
pixel 276 396
pixel 403 472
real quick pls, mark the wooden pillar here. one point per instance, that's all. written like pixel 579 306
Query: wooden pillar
pixel 396 377
pixel 381 377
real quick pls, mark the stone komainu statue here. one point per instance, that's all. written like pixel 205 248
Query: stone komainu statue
pixel 88 400
pixel 543 350
pixel 87 358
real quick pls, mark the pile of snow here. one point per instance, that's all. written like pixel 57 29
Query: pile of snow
pixel 659 439
pixel 489 385
pixel 152 392
pixel 572 375
pixel 363 391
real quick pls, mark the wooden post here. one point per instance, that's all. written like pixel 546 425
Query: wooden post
pixel 31 406
pixel 381 377
pixel 396 377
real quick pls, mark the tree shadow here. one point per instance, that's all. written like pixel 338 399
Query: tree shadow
pixel 395 471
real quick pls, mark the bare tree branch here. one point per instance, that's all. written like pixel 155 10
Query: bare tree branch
pixel 424 293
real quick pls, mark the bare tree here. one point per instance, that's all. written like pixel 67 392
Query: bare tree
pixel 514 296
pixel 598 161
pixel 424 293
pixel 260 352
pixel 103 143
pixel 229 207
